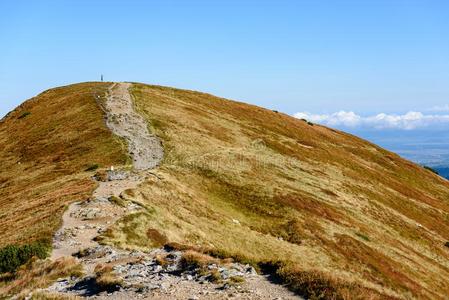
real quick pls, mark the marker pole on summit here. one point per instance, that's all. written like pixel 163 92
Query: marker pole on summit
pixel 101 77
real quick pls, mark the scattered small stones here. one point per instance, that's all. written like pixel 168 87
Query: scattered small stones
pixel 117 175
pixel 88 213
pixel 143 273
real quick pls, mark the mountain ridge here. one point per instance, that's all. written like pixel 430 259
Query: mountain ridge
pixel 257 185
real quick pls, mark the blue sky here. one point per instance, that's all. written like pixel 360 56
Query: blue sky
pixel 314 57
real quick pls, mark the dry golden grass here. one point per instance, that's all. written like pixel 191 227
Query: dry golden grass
pixel 39 274
pixel 191 258
pixel 43 157
pixel 244 182
pixel 105 277
pixel 237 181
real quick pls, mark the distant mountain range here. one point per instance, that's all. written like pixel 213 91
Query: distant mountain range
pixel 425 147
pixel 444 171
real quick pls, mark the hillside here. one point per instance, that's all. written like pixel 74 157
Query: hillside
pixel 46 144
pixel 326 211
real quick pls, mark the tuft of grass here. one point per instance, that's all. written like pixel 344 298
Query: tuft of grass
pixel 117 201
pixel 193 259
pixel 214 276
pixel 106 279
pixel 446 244
pixel 237 279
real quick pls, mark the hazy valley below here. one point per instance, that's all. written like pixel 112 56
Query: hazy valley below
pixel 424 147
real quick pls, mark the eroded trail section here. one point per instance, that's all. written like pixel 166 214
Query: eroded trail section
pixel 145 148
pixel 83 221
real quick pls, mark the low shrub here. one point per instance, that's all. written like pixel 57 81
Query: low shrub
pixel 14 256
pixel 92 168
pixel 446 244
pixel 24 114
pixel 431 170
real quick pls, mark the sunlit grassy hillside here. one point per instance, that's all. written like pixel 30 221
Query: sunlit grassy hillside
pixel 342 215
pixel 45 146
pixel 329 213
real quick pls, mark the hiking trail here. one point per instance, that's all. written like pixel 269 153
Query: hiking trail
pixel 143 276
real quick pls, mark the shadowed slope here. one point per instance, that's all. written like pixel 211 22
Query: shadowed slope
pixel 45 146
pixel 258 185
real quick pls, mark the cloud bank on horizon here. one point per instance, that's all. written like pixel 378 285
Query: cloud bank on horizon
pixel 408 121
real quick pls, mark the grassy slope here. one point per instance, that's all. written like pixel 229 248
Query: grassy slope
pixel 43 155
pixel 260 185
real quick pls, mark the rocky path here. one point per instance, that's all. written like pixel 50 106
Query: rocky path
pixel 158 274
pixel 83 221
pixel 145 148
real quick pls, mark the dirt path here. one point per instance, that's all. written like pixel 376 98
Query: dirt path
pixel 145 148
pixel 82 222
pixel 141 273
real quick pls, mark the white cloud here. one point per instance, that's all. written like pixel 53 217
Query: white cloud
pixel 408 121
